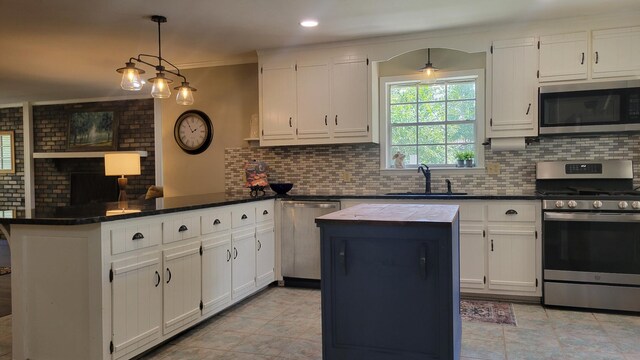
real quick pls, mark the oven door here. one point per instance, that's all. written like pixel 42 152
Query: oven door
pixel 592 247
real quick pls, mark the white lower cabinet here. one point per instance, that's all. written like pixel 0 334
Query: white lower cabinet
pixel 216 273
pixel 243 263
pixel 265 254
pixel 182 286
pixel 136 298
pixel 512 258
pixel 472 260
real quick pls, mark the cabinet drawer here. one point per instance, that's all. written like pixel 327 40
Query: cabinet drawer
pixel 472 212
pixel 215 221
pixel 512 212
pixel 242 215
pixel 264 211
pixel 135 236
pixel 180 228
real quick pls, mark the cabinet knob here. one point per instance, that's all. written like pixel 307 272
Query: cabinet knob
pixel 259 245
pixel 243 217
pixel 216 222
pixel 235 253
pixel 158 278
pixel 228 255
pixel 182 228
pixel 137 236
pixel 169 275
pixel 265 212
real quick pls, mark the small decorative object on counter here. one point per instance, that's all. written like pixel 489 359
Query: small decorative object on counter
pixel 399 160
pixel 256 177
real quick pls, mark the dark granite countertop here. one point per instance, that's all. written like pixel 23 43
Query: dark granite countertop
pixel 102 212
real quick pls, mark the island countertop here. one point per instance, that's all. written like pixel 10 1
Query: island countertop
pixel 400 214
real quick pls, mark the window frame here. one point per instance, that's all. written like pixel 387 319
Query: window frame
pixel 385 125
pixel 12 170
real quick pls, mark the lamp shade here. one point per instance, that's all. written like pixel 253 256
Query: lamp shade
pixel 121 163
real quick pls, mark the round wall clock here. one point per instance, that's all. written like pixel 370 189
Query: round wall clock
pixel 193 131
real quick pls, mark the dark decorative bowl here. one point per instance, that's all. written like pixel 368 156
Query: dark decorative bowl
pixel 281 188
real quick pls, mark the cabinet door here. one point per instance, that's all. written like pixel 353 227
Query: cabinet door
pixel 563 57
pixel 243 263
pixel 616 52
pixel 265 255
pixel 312 83
pixel 216 273
pixel 349 98
pixel 472 257
pixel 512 258
pixel 514 89
pixel 278 103
pixel 182 285
pixel 136 302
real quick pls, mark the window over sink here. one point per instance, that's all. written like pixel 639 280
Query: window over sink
pixel 429 121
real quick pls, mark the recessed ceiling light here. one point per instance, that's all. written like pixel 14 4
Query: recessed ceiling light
pixel 309 23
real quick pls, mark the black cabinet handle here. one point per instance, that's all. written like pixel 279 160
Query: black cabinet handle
pixel 182 228
pixel 423 262
pixel 582 61
pixel 290 123
pixel 528 108
pixel 235 253
pixel 259 245
pixel 265 212
pixel 216 222
pixel 228 255
pixel 511 212
pixel 137 236
pixel 491 244
pixel 168 272
pixel 158 277
pixel 325 120
pixel 336 119
pixel 597 57
pixel 243 217
pixel 342 255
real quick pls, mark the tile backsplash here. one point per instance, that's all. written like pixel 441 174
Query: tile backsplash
pixel 355 169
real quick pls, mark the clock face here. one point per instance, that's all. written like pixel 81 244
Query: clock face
pixel 193 131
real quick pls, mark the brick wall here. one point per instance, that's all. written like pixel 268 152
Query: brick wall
pixel 12 194
pixel 50 124
pixel 355 169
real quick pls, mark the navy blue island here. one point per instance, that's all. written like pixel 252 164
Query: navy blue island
pixel 390 282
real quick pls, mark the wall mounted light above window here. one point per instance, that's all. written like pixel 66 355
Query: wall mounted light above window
pixel 160 89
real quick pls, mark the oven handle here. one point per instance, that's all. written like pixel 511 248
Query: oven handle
pixel 598 217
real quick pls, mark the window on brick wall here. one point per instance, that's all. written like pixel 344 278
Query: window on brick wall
pixel 7 157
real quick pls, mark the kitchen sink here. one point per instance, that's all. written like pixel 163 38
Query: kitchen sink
pixel 426 194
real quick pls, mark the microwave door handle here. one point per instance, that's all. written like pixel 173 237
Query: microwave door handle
pixel 591 217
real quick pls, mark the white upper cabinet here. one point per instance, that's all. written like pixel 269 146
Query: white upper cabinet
pixel 616 52
pixel 563 57
pixel 514 99
pixel 349 98
pixel 278 121
pixel 312 85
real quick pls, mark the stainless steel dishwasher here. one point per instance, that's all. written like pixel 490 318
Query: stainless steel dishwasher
pixel 301 238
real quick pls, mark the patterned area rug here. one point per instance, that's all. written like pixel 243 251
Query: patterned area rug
pixel 487 311
pixel 4 270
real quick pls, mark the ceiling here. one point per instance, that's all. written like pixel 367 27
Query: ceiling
pixel 69 49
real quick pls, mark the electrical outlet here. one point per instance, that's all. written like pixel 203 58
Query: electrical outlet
pixel 493 168
pixel 346 176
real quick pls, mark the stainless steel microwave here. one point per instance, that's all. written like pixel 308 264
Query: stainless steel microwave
pixel 590 108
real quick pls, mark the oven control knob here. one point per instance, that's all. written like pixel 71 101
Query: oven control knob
pixel 559 204
pixel 597 204
pixel 573 204
pixel 623 204
pixel 635 205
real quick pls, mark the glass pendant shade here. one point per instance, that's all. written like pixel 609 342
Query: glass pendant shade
pixel 131 77
pixel 185 94
pixel 160 87
pixel 428 68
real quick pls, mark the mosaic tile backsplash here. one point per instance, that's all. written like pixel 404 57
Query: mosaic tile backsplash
pixel 355 169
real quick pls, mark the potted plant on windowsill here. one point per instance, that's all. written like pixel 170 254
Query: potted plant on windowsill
pixel 460 157
pixel 468 158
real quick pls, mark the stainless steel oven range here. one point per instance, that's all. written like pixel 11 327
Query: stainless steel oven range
pixel 590 234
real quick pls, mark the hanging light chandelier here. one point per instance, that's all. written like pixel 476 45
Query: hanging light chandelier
pixel 428 67
pixel 160 89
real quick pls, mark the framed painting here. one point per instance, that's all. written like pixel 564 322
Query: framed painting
pixel 92 131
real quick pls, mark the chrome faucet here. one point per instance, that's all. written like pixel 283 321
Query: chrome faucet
pixel 427 177
pixel 448 185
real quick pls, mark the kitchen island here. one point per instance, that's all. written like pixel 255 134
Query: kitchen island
pixel 87 284
pixel 390 287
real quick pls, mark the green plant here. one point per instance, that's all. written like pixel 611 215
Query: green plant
pixel 468 155
pixel 460 155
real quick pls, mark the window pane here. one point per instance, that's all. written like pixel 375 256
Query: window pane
pixel 460 133
pixel 411 156
pixel 431 92
pixel 403 135
pixel 462 90
pixel 453 149
pixel 431 112
pixel 403 114
pixel 403 94
pixel 461 110
pixel 431 154
pixel 431 134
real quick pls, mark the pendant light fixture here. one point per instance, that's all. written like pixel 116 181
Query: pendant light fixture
pixel 160 89
pixel 428 68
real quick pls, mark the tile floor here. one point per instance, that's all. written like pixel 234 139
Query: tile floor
pixel 284 323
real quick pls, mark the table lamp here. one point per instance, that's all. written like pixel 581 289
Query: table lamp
pixel 121 164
